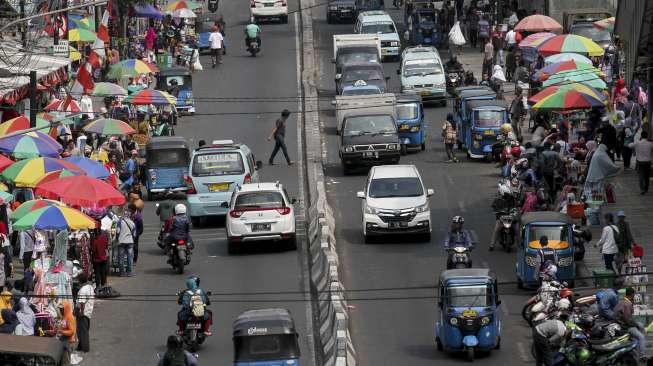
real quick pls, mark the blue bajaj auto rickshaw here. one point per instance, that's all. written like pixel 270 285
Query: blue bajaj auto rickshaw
pixel 468 319
pixel 423 25
pixel 265 337
pixel 410 122
pixel 484 120
pixel 166 164
pixel 557 227
pixel 463 96
pixel 183 91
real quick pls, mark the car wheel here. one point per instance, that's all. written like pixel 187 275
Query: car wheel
pixel 232 247
pixel 404 149
pixel 346 169
pixel 498 346
pixel 438 344
pixel 284 19
pixel 425 237
pixel 195 220
pixel 329 19
pixel 520 284
pixel 423 147
pixel 368 239
pixel 149 196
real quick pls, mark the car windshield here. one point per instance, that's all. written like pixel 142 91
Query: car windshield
pixel 381 27
pixel 367 125
pixel 358 56
pixel 557 236
pixel 422 68
pixel 161 158
pixel 488 119
pixel 395 187
pixel 266 348
pixel 361 91
pixel 363 74
pixel 258 200
pixel 591 32
pixel 468 296
pixel 407 111
pixel 219 163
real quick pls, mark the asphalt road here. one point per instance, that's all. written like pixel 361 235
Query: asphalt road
pixel 401 332
pixel 130 333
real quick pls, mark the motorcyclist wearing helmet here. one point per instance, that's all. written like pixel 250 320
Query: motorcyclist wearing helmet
pixel 175 353
pixel 187 300
pixel 452 65
pixel 606 300
pixel 180 228
pixel 252 32
pixel 546 255
pixel 503 203
pixel 457 235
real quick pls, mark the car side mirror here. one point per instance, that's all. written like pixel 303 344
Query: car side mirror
pixel 430 192
pixel 338 76
pixel 398 72
pixel 293 200
pixel 360 194
pixel 224 205
pixel 259 165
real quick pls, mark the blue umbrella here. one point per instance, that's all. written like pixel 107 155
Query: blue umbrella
pixel 91 167
pixel 148 11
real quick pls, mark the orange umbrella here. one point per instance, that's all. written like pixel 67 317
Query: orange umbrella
pixel 538 23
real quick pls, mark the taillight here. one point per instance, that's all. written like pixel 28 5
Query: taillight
pixel 235 213
pixel 189 185
pixel 248 179
pixel 252 4
pixel 283 210
pixel 181 242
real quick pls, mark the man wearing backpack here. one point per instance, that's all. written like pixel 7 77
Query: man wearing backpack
pixel 193 303
pixel 624 240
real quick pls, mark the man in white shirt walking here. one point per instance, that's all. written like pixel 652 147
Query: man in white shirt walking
pixel 643 149
pixel 216 41
pixel 511 39
pixel 607 244
pixel 85 302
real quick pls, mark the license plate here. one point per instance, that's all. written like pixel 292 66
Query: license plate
pixel 260 227
pixel 193 326
pixel 345 11
pixel 427 40
pixel 269 4
pixel 384 51
pixel 488 133
pixel 218 187
pixel 371 154
pixel 424 93
pixel 394 225
pixel 404 127
pixel 469 313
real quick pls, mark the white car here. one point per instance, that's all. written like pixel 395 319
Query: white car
pixel 260 212
pixel 380 22
pixel 267 9
pixel 395 202
pixel 422 73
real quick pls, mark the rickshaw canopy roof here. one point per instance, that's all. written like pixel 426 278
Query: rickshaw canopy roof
pixel 467 273
pixel 493 104
pixel 473 93
pixel 463 89
pixel 264 322
pixel 545 216
pixel 174 71
pixel 37 346
pixel 167 142
pixel 408 98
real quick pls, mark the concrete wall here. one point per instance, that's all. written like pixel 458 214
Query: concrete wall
pixel 557 7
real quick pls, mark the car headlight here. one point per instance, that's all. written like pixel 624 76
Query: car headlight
pixel 393 146
pixel 442 85
pixel 531 261
pixel 453 321
pixel 371 210
pixel 422 208
pixel 485 320
pixel 478 137
pixel 349 149
pixel 414 129
pixel 394 44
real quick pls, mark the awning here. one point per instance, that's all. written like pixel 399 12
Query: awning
pixel 15 68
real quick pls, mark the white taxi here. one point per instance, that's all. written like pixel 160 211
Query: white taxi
pixel 268 9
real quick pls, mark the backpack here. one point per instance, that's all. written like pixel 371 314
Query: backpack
pixel 619 238
pixel 197 304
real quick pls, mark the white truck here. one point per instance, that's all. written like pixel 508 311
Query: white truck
pixel 361 47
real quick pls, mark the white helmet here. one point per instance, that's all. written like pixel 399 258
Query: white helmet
pixel 180 209
pixel 504 189
pixel 563 304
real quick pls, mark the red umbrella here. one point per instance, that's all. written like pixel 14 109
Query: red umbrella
pixel 5 162
pixel 82 191
pixel 58 104
pixel 538 23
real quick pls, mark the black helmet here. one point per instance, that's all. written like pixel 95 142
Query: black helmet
pixel 285 113
pixel 174 342
pixel 586 321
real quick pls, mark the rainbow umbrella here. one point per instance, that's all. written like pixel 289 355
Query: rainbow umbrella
pixel 5 197
pixel 567 100
pixel 57 105
pixel 4 187
pixel 577 87
pixel 571 65
pixel 15 124
pixel 182 4
pixel 91 167
pixel 109 126
pixel 5 162
pixel 570 43
pixel 183 13
pixel 131 67
pixel 81 35
pixel 32 205
pixel 105 89
pixel 54 218
pixel 538 23
pixel 27 173
pixel 605 24
pixel 567 56
pixel 567 77
pixel 529 44
pixel 56 175
pixel 29 145
pixel 151 96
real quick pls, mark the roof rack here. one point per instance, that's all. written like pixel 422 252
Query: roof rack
pixel 219 144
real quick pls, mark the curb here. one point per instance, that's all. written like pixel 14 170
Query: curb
pixel 334 345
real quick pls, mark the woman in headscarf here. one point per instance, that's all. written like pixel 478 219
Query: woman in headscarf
pixel 26 318
pixel 9 321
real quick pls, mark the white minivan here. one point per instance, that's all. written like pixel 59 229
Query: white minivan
pixel 379 22
pixel 395 202
pixel 268 9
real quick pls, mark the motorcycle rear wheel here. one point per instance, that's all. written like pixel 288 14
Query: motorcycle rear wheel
pixel 179 266
pixel 527 314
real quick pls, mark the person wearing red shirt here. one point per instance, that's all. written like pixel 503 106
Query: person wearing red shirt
pixel 99 253
pixel 113 171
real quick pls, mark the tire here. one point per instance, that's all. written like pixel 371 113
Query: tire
pixel 498 346
pixel 469 354
pixel 346 169
pixel 149 196
pixel 520 284
pixel 291 244
pixel 368 239
pixel 423 146
pixel 526 313
pixel 425 237
pixel 195 220
pixel 404 149
pixel 232 248
pixel 179 266
pixel 284 19
pixel 329 19
pixel 438 344
pixel 460 266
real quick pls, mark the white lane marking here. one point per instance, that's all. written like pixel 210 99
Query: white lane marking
pixel 525 356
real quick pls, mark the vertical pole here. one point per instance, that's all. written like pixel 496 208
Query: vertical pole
pixel 649 77
pixel 97 11
pixel 23 27
pixel 32 99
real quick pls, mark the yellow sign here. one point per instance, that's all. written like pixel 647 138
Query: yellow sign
pixel 469 313
pixel 488 133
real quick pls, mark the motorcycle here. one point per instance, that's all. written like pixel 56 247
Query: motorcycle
pixel 454 79
pixel 193 336
pixel 580 350
pixel 459 257
pixel 253 47
pixel 544 300
pixel 507 235
pixel 581 236
pixel 179 255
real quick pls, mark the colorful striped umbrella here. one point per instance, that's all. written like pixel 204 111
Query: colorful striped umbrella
pixel 570 43
pixel 56 175
pixel 55 218
pixel 606 24
pixel 538 23
pixel 567 77
pixel 5 162
pixel 535 39
pixel 567 100
pixel 32 205
pixel 15 124
pixel 577 87
pixel 81 190
pixel 81 35
pixel 29 145
pixel 108 127
pixel 57 105
pixel 105 89
pixel 182 4
pixel 151 96
pixel 184 13
pixel 91 167
pixel 131 67
pixel 567 56
pixel 27 173
pixel 571 65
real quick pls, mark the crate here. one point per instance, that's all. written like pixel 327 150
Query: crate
pixel 603 278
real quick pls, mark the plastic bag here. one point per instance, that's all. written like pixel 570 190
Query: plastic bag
pixel 197 66
pixel 456 35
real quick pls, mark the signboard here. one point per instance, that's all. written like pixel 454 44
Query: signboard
pixel 61 50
